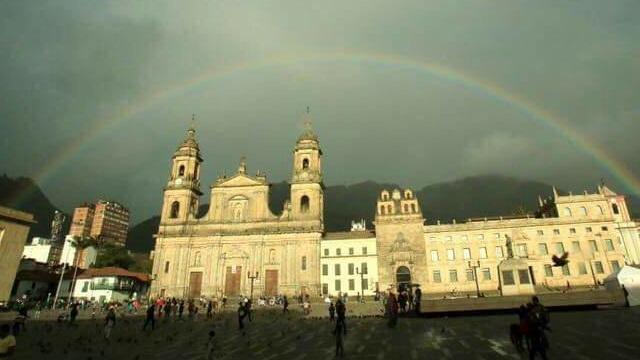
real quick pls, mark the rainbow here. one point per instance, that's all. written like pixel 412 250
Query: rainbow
pixel 533 111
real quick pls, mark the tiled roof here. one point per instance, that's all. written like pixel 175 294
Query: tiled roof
pixel 113 271
pixel 367 234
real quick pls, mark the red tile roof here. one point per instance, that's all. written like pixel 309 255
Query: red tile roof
pixel 113 271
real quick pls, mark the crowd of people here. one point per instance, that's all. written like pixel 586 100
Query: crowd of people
pixel 529 333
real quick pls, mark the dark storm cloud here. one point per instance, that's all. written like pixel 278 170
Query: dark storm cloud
pixel 68 66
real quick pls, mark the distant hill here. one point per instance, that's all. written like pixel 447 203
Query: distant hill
pixel 23 194
pixel 461 199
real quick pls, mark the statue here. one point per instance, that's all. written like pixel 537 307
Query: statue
pixel 509 247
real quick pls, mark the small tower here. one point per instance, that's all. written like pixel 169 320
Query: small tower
pixel 307 189
pixel 182 193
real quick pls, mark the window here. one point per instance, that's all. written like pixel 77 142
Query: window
pixel 567 211
pixel 615 265
pixel 522 250
pixel 304 204
pixel 556 231
pixel 470 276
pixel 325 269
pixel 436 276
pixel 480 237
pixel 451 255
pixel 382 211
pixel 453 275
pixel 548 271
pixel 615 209
pixel 304 263
pixel 582 268
pixel 166 267
pixel 572 230
pixel 483 253
pixel 599 267
pixel 364 268
pixel 337 269
pixel 608 245
pixel 325 288
pixel 181 171
pixel 350 251
pixel 406 208
pixel 364 250
pixel 604 228
pixel 559 248
pixel 338 252
pixel 365 285
pixel 507 277
pixel 542 249
pixel 434 255
pixel 326 252
pixel 600 210
pixel 588 229
pixel 85 286
pixel 305 163
pixel 196 259
pixel 175 210
pixel 466 253
pixel 583 211
pixel 523 275
pixel 350 269
pixel 352 284
pixel 540 232
pixel 565 270
pixel 575 246
pixel 413 208
pixel 337 285
pixel 389 209
pixel 486 274
pixel 499 253
pixel 593 245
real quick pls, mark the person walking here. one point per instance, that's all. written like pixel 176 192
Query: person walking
pixel 341 310
pixel 151 313
pixel 285 305
pixel 418 300
pixel 209 309
pixel 73 314
pixel 242 312
pixel 180 309
pixel 392 309
pixel 332 312
pixel 109 322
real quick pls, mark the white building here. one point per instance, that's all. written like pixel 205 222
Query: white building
pixel 110 284
pixel 349 263
pixel 38 250
pixel 87 256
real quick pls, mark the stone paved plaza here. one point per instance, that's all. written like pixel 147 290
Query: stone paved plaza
pixel 603 334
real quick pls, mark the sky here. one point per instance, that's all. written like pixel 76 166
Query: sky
pixel 96 95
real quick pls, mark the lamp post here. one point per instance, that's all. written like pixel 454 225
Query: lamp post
pixel 475 266
pixel 253 277
pixel 358 272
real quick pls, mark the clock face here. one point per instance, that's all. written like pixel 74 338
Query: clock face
pixel 179 181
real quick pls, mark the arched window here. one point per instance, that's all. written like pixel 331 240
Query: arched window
pixel 389 209
pixel 181 170
pixel 272 256
pixel 304 204
pixel 600 210
pixel 195 172
pixel 413 208
pixel 175 210
pixel 196 259
pixel 408 194
pixel 385 196
pixel 304 263
pixel 406 208
pixel 615 209
pixel 382 212
pixel 567 211
pixel 305 163
pixel 583 211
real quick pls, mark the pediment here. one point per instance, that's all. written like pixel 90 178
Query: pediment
pixel 239 180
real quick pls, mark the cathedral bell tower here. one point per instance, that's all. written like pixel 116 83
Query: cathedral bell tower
pixel 181 195
pixel 307 189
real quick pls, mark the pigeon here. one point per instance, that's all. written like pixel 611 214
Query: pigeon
pixel 560 261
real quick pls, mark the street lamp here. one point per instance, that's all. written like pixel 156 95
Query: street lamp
pixel 475 266
pixel 253 277
pixel 361 283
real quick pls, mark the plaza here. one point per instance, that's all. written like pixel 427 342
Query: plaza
pixel 596 334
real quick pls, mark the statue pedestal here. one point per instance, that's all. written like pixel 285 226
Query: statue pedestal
pixel 515 278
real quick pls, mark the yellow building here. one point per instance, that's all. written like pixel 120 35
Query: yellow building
pixel 14 229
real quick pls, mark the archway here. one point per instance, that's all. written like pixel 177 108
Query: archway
pixel 403 277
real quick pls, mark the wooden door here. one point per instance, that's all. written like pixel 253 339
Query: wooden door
pixel 232 281
pixel 271 282
pixel 195 285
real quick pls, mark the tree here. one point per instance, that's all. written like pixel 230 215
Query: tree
pixel 79 244
pixel 114 255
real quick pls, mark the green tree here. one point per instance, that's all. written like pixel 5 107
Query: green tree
pixel 113 255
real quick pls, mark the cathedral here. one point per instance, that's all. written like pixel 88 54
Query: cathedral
pixel 239 247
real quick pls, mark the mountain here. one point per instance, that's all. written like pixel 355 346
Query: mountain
pixel 23 194
pixel 476 196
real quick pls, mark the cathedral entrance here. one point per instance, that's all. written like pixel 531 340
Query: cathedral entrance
pixel 195 285
pixel 271 282
pixel 232 280
pixel 403 277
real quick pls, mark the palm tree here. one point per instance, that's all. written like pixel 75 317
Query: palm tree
pixel 79 244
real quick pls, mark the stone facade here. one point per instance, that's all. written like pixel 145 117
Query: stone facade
pixel 14 229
